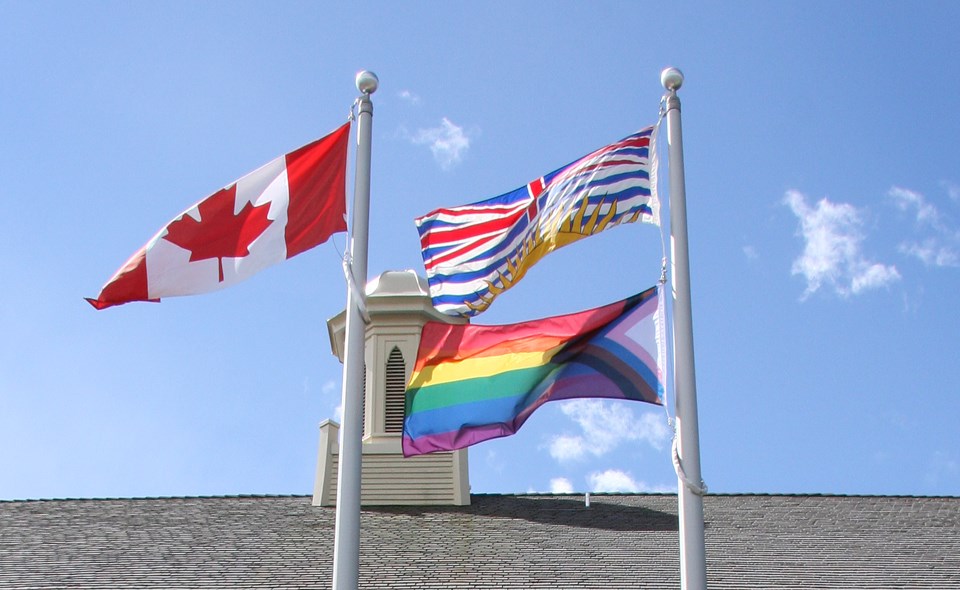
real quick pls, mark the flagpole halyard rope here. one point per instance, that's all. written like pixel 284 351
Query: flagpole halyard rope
pixel 701 489
pixel 358 295
pixel 654 186
pixel 655 182
pixel 347 256
pixel 352 115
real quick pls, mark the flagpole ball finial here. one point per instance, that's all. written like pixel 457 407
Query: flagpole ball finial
pixel 671 78
pixel 367 82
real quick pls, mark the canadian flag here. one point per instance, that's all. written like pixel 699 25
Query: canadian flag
pixel 287 206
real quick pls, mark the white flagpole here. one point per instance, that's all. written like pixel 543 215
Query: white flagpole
pixel 346 540
pixel 693 560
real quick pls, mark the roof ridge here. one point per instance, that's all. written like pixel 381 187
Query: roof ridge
pixel 831 495
pixel 148 498
pixel 725 494
pixel 492 495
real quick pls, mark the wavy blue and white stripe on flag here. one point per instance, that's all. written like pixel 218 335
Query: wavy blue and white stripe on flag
pixel 472 253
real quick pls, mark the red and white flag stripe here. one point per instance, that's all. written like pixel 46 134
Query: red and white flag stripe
pixel 285 207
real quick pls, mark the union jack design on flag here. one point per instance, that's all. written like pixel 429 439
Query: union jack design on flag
pixel 472 253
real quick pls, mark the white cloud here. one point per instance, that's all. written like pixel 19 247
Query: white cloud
pixel 908 200
pixel 750 252
pixel 409 97
pixel 615 480
pixel 565 447
pixel 952 189
pixel 330 387
pixel 832 249
pixel 931 253
pixel 939 247
pixel 338 413
pixel 561 485
pixel 448 142
pixel 874 276
pixel 605 425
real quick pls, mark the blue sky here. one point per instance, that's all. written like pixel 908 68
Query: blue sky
pixel 824 215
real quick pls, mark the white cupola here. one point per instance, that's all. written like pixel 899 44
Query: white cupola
pixel 398 303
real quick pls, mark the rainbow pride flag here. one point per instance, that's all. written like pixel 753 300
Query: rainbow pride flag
pixel 474 383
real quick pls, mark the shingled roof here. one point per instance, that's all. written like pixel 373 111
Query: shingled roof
pixel 499 541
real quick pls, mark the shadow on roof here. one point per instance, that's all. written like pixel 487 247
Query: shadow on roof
pixel 602 513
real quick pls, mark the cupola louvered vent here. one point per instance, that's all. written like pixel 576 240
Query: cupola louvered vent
pixel 396 384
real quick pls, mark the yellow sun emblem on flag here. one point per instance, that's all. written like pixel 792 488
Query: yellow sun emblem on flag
pixel 557 229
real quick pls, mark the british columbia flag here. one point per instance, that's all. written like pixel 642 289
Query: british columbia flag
pixel 472 253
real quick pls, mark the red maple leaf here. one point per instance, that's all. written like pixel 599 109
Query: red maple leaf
pixel 219 233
